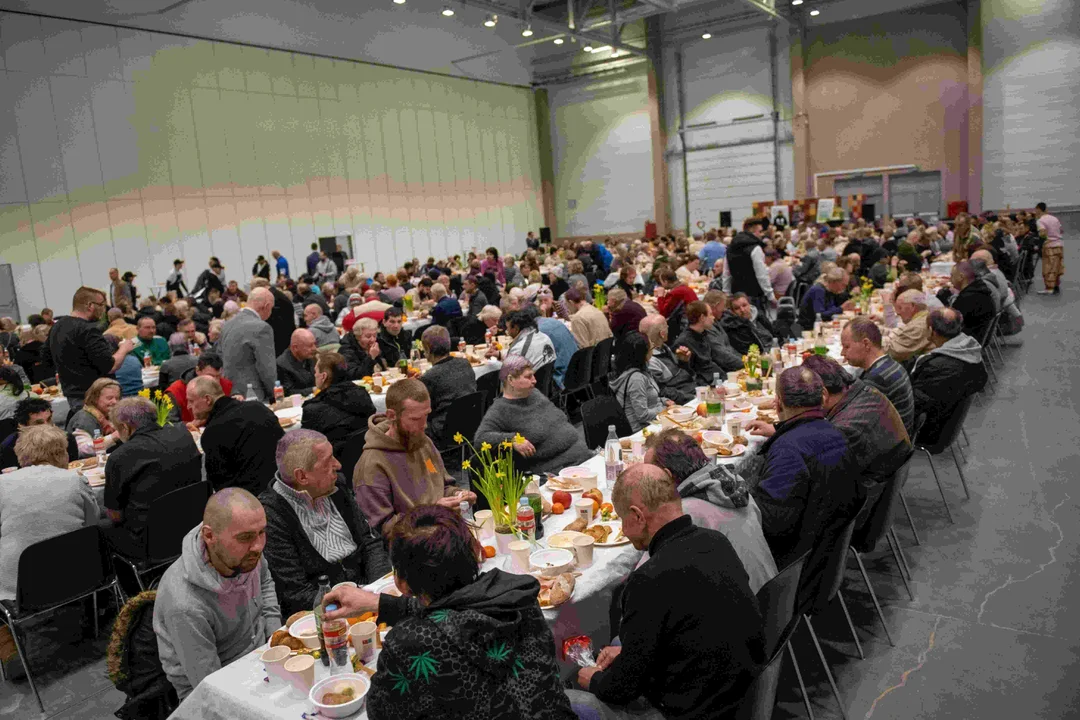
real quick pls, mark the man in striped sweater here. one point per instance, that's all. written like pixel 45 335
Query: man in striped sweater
pixel 861 343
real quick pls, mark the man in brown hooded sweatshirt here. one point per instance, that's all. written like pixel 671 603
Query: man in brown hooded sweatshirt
pixel 400 467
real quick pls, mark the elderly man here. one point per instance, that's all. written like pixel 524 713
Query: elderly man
pixel 296 366
pixel 720 348
pixel 238 439
pixel 861 345
pixel 716 498
pixel 209 365
pixel 448 379
pixel 911 339
pixel 77 348
pixel 973 299
pixel 693 343
pixel 446 306
pixel 320 326
pixel 587 323
pixel 180 362
pixel 562 339
pixel 671 373
pixel 805 485
pixel 395 342
pixel 827 299
pixel 742 328
pixel 313 526
pixel 657 670
pixel 361 350
pixel 152 461
pixel 217 602
pixel 119 327
pixel 948 374
pixel 149 343
pixel 247 347
pixel 282 318
pixel 400 466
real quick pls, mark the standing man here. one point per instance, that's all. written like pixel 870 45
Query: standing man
pixel 77 349
pixel 175 282
pixel 312 259
pixel 282 318
pixel 744 268
pixel 281 264
pixel 247 347
pixel 531 241
pixel 296 365
pixel 118 288
pixel 325 269
pixel 1053 251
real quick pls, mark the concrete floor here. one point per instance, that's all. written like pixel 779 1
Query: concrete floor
pixel 988 634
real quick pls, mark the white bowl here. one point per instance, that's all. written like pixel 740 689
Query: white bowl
pixel 717 438
pixel 738 405
pixel 732 389
pixel 304 631
pixel 583 476
pixel 293 412
pixel 360 684
pixel 681 414
pixel 759 399
pixel 552 562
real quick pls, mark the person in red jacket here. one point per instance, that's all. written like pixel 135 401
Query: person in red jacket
pixel 672 292
pixel 210 365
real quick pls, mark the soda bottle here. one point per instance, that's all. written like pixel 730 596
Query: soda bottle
pixel 324 587
pixel 99 447
pixel 612 456
pixel 336 641
pixel 250 394
pixel 714 402
pixel 526 519
pixel 279 392
pixel 146 361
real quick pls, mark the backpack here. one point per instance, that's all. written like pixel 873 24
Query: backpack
pixel 133 663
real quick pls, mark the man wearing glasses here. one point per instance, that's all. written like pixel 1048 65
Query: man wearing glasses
pixel 77 347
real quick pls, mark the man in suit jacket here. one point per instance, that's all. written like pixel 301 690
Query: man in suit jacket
pixel 247 347
pixel 282 318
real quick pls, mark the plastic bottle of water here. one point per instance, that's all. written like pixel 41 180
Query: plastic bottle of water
pixel 466 511
pixel 279 392
pixel 612 456
pixel 324 587
pixel 99 447
pixel 250 395
pixel 526 519
pixel 714 402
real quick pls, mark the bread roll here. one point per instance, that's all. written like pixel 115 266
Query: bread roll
pixel 577 526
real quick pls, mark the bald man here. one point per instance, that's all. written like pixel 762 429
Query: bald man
pixel 217 602
pixel 657 669
pixel 247 347
pixel 296 365
pixel 971 298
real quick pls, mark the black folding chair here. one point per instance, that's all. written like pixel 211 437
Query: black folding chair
pixel 544 377
pixel 53 573
pixel 950 431
pixel 354 448
pixel 463 416
pixel 578 376
pixel 675 323
pixel 601 366
pixel 488 383
pixel 168 520
pixel 600 413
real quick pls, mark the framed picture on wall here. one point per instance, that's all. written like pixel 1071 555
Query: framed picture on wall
pixel 825 208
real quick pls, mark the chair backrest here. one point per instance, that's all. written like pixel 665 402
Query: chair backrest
pixel 601 360
pixel 8 427
pixel 579 371
pixel 951 428
pixel 61 569
pixel 543 378
pixel 824 568
pixel 800 290
pixel 353 449
pixel 488 383
pixel 876 518
pixel 597 414
pixel 453 326
pixel 171 517
pixel 674 323
pixel 463 416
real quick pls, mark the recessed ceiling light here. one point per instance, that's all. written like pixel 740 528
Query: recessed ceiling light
pixel 447 11
pixel 491 21
pixel 587 48
pixel 815 13
pixel 527 32
pixel 399 2
pixel 706 36
pixel 559 41
pixel 796 2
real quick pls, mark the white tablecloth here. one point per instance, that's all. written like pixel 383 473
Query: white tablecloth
pixel 416 324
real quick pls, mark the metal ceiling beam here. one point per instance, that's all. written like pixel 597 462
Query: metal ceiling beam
pixel 766 6
pixel 663 5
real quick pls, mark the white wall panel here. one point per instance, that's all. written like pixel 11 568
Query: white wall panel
pixel 12 185
pixel 21 43
pixel 92 228
pixel 78 144
pixel 43 165
pixel 113 106
pixel 55 244
pixel 18 248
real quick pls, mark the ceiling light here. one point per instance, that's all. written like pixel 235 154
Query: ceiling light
pixel 559 41
pixel 491 21
pixel 399 2
pixel 447 11
pixel 796 2
pixel 527 32
pixel 706 36
pixel 587 48
pixel 815 13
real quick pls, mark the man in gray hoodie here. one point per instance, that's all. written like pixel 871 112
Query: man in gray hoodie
pixel 217 602
pixel 945 376
pixel 320 326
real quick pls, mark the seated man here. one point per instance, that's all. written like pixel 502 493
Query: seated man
pixel 827 299
pixel 29 412
pixel 695 339
pixel 876 439
pixel 395 342
pixel 742 328
pixel 176 366
pixel 973 299
pixel 208 365
pixel 239 438
pixel 400 467
pixel 152 461
pixel 476 296
pixel 861 343
pixel 148 342
pixel 448 379
pixel 671 373
pixel 588 324
pixel 660 669
pixel 446 307
pixel 320 325
pixel 805 482
pixel 313 526
pixel 217 602
pixel 911 339
pixel 723 354
pixel 716 498
pixel 949 373
pixel 296 363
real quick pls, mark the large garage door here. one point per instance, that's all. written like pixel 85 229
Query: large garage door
pixel 729 179
pixel 915 194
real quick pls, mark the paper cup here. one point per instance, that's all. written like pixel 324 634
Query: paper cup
pixel 273 661
pixel 486 522
pixel 519 556
pixel 584 508
pixel 503 541
pixel 301 672
pixel 733 377
pixel 701 393
pixel 362 637
pixel 296 400
pixel 583 549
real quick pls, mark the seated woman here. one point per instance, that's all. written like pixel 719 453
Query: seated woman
pixel 361 351
pixel 129 374
pixel 29 355
pixel 544 440
pixel 473 646
pixel 633 386
pixel 41 500
pixel 340 408
pixel 103 394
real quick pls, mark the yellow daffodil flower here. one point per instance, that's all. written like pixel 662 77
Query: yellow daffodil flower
pixel 506 444
pixel 145 392
pixel 484 447
pixel 466 465
pixel 458 438
pixel 518 439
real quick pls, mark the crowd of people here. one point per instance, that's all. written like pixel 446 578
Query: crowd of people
pixel 675 313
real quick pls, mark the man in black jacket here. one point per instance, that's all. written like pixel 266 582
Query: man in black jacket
pixel 282 318
pixel 313 526
pixel 448 379
pixel 671 373
pixel 695 339
pixel 678 659
pixel 477 298
pixel 395 342
pixel 949 373
pixel 296 366
pixel 239 437
pixel 974 300
pixel 744 266
pixel 743 331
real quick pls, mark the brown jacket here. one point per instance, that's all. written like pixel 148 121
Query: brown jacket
pixel 908 340
pixel 388 480
pixel 589 326
pixel 122 330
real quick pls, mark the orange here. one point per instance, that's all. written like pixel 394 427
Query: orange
pixel 489 552
pixel 595 508
pixel 557 509
pixel 607 507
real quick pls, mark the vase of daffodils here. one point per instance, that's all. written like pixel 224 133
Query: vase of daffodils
pixel 599 296
pixel 163 403
pixel 756 370
pixel 500 484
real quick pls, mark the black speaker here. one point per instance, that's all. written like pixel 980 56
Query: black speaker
pixel 725 218
pixel 545 236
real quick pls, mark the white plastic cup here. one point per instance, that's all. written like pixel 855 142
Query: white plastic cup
pixel 519 556
pixel 273 661
pixel 362 637
pixel 584 508
pixel 486 521
pixel 583 549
